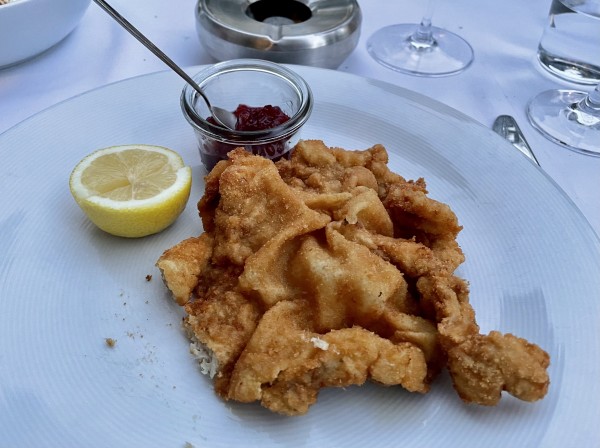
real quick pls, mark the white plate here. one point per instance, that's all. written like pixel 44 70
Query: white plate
pixel 532 261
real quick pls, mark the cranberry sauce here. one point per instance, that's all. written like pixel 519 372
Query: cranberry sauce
pixel 259 118
pixel 249 119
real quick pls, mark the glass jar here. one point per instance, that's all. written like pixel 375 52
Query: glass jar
pixel 254 83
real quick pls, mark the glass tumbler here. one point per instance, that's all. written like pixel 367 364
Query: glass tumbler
pixel 248 82
pixel 570 45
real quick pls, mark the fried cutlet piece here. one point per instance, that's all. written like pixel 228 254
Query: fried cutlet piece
pixel 285 363
pixel 317 169
pixel 482 366
pixel 413 259
pixel 345 282
pixel 413 210
pixel 399 326
pixel 208 203
pixel 427 221
pixel 365 209
pixel 182 265
pixel 256 206
pixel 221 325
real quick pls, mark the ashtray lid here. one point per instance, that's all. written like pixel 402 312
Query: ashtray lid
pixel 280 25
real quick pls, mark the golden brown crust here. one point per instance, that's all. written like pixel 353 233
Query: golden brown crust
pixel 182 265
pixel 482 366
pixel 285 370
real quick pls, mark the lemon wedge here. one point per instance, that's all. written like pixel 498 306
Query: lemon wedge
pixel 132 190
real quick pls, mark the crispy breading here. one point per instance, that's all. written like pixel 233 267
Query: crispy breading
pixel 223 323
pixel 329 270
pixel 323 267
pixel 255 207
pixel 182 265
pixel 315 168
pixel 207 205
pixel 482 366
pixel 343 269
pixel 285 363
pixel 412 258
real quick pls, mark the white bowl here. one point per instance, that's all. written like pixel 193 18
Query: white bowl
pixel 29 27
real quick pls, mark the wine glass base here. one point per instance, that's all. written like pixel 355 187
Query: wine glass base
pixel 551 114
pixel 392 47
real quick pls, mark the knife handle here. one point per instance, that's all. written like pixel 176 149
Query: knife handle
pixel 507 127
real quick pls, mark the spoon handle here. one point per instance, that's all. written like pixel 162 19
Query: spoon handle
pixel 150 46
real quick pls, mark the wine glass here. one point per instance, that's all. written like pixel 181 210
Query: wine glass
pixel 420 49
pixel 568 117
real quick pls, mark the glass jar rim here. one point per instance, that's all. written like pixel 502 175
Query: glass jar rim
pixel 189 96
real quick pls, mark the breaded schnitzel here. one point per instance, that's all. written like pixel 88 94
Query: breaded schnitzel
pixel 328 270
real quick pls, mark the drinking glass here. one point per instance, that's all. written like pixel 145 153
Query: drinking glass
pixel 568 117
pixel 420 49
pixel 570 44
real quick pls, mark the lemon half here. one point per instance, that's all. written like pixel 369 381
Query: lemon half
pixel 132 190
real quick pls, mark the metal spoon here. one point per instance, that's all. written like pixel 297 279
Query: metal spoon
pixel 222 116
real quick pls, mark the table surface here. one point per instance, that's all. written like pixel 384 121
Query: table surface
pixel 501 80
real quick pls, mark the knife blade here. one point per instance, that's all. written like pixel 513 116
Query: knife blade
pixel 506 126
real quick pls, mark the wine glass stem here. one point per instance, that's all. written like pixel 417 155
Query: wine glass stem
pixel 422 38
pixel 587 110
pixel 591 103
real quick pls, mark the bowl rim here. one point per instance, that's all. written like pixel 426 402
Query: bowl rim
pixel 14 2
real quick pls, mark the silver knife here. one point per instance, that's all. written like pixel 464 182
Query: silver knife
pixel 507 127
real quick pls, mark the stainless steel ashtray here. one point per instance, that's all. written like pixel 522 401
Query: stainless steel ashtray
pixel 320 33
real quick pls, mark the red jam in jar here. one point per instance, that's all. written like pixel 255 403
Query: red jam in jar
pixel 250 119
pixel 259 118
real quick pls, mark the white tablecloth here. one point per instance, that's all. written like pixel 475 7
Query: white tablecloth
pixel 504 75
